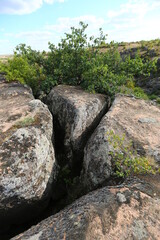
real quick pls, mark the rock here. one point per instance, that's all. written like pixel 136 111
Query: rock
pixel 158 64
pixel 147 120
pixel 76 113
pixel 152 53
pixel 2 77
pixel 129 52
pixel 139 120
pixel 27 162
pixel 121 197
pixel 150 85
pixel 100 215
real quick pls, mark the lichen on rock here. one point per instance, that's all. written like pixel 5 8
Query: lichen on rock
pixel 102 215
pixel 76 113
pixel 27 160
pixel 139 120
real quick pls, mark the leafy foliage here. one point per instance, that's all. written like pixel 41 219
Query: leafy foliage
pixel 78 60
pixel 125 159
pixel 136 67
pixel 19 69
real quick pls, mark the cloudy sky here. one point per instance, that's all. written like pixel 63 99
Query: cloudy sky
pixel 36 22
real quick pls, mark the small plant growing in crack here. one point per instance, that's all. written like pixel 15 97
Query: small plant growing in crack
pixel 25 122
pixel 126 160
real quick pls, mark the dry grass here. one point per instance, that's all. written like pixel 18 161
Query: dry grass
pixel 4 58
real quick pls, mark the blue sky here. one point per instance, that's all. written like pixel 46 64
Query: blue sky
pixel 36 22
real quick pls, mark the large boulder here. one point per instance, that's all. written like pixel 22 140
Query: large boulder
pixel 138 120
pixel 27 161
pixel 76 113
pixel 130 211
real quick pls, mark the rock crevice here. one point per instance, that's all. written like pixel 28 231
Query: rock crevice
pixel 50 158
pixel 76 114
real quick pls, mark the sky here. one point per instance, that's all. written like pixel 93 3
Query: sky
pixel 37 22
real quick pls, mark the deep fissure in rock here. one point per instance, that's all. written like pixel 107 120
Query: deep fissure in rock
pixel 67 188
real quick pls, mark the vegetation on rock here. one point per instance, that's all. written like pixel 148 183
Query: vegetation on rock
pixel 126 160
pixel 25 122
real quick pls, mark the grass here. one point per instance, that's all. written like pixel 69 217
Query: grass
pixel 25 122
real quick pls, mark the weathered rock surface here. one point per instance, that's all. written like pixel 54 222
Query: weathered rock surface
pixel 158 64
pixel 139 120
pixel 131 211
pixel 76 113
pixel 150 85
pixel 2 77
pixel 27 159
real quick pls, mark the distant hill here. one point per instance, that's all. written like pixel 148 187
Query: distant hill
pixel 147 49
pixel 4 58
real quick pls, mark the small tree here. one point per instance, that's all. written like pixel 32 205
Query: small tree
pixel 78 60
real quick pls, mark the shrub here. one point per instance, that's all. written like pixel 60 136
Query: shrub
pixel 77 60
pixel 19 69
pixel 101 79
pixel 73 56
pixel 137 67
pixel 126 160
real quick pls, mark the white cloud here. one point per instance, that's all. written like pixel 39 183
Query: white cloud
pixel 38 40
pixel 52 1
pixel 6 47
pixel 64 24
pixel 33 34
pixel 134 21
pixel 138 8
pixel 21 7
pixel 4 41
pixel 135 7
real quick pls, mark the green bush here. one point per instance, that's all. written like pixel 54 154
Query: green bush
pixel 77 60
pixel 19 69
pixel 126 160
pixel 137 67
pixel 73 56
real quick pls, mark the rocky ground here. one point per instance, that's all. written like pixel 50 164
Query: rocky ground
pixel 128 211
pixel 48 159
